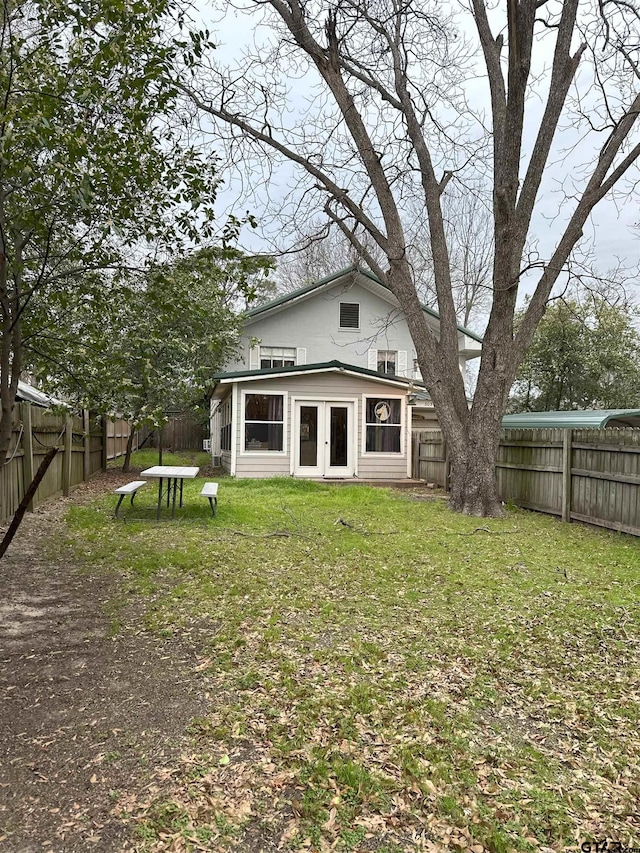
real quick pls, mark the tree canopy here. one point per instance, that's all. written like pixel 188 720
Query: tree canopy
pixel 91 171
pixel 141 344
pixel 585 355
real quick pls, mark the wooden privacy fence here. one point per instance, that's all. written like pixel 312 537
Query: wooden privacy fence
pixel 582 474
pixel 181 432
pixel 85 442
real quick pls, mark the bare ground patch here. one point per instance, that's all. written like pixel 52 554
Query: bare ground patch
pixel 86 718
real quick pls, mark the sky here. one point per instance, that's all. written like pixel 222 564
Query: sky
pixel 610 228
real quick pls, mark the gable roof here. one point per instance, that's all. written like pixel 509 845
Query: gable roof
pixel 302 292
pixel 574 419
pixel 320 367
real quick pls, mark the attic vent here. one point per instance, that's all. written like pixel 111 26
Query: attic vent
pixel 349 315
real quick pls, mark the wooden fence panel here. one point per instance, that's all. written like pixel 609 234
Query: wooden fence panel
pixel 117 436
pixel 429 457
pixel 80 453
pixel 12 473
pixel 605 475
pixel 181 432
pixel 585 475
pixel 529 469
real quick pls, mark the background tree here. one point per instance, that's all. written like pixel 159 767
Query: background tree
pixel 148 342
pixel 89 168
pixel 314 256
pixel 392 117
pixel 585 355
pixel 469 234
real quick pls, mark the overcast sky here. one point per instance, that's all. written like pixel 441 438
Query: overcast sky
pixel 611 226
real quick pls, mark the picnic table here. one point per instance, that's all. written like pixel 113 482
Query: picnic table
pixel 172 474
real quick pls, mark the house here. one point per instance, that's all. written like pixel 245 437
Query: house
pixel 325 385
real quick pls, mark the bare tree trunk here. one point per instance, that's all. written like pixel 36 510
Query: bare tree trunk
pixel 126 465
pixel 26 500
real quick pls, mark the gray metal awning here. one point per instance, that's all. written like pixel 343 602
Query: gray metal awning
pixel 575 419
pixel 29 394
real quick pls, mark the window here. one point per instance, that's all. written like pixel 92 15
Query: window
pixel 277 357
pixel 263 422
pixel 382 425
pixel 225 428
pixel 387 361
pixel 349 315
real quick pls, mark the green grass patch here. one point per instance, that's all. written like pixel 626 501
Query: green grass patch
pixel 395 671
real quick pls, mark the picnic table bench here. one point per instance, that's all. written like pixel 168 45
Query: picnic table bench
pixel 210 490
pixel 128 489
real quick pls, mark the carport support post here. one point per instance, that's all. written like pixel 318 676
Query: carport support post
pixel 66 462
pixel 27 447
pixel 566 474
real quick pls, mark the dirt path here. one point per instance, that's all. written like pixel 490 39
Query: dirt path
pixel 85 718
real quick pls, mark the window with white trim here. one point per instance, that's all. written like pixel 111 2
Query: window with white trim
pixel 387 361
pixel 226 410
pixel 383 424
pixel 263 422
pixel 349 315
pixel 277 357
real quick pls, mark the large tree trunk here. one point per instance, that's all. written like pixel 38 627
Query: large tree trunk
pixel 473 488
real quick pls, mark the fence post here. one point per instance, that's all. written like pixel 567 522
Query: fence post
pixel 104 449
pixel 66 461
pixel 27 446
pixel 415 453
pixel 86 444
pixel 566 474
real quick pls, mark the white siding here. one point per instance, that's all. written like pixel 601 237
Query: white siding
pixel 313 325
pixel 328 387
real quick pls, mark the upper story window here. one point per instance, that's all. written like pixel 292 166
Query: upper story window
pixel 387 361
pixel 277 357
pixel 349 315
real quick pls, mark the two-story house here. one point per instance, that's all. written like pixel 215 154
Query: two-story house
pixel 325 385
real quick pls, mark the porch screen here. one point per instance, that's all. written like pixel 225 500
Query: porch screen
pixel 263 422
pixel 383 425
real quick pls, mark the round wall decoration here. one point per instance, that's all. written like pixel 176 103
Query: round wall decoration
pixel 382 411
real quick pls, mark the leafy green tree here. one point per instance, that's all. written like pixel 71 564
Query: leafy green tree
pixel 585 355
pixel 144 343
pixel 90 169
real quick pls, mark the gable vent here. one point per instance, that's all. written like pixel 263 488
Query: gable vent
pixel 349 315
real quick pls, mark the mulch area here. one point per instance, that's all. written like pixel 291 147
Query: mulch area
pixel 86 718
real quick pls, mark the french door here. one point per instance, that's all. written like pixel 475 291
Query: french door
pixel 323 439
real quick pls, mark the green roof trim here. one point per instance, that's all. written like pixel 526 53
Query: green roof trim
pixel 320 366
pixel 575 419
pixel 354 268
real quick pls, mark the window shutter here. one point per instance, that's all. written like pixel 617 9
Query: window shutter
pixel 373 359
pixel 402 363
pixel 301 355
pixel 254 358
pixel 415 373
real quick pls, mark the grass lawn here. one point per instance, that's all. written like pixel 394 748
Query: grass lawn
pixel 384 675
